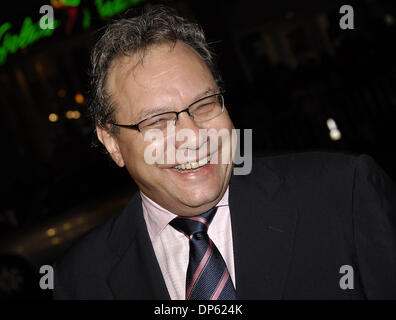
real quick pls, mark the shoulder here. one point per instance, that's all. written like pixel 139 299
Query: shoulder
pixel 92 257
pixel 87 250
pixel 325 181
pixel 310 177
pixel 307 161
pixel 321 165
pixel 305 169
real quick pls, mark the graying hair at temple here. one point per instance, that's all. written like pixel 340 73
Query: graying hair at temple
pixel 129 36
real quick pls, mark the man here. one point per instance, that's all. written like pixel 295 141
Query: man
pixel 299 226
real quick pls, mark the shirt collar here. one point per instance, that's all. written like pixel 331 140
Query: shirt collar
pixel 157 217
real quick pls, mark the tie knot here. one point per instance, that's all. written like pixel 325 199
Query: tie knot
pixel 196 224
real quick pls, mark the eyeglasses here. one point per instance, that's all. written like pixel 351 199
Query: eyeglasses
pixel 204 109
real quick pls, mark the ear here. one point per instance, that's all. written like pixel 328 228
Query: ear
pixel 111 144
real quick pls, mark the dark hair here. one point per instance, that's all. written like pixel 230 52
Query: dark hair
pixel 156 25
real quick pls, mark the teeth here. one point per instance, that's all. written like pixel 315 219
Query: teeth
pixel 192 165
pixel 203 161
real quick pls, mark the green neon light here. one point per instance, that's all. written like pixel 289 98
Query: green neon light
pixel 29 33
pixel 110 8
pixel 71 3
pixel 86 23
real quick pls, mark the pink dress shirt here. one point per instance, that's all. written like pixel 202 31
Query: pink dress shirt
pixel 171 247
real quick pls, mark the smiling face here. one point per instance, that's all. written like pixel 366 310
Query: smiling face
pixel 169 78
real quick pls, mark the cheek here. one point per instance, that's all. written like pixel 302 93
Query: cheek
pixel 223 145
pixel 154 152
pixel 138 169
pixel 139 157
pixel 222 122
pixel 132 153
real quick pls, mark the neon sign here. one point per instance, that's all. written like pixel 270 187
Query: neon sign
pixel 110 8
pixel 31 32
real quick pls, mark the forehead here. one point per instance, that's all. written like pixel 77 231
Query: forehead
pixel 167 75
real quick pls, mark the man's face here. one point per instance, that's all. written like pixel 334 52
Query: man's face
pixel 168 79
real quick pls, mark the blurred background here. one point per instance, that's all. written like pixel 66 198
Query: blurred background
pixel 291 74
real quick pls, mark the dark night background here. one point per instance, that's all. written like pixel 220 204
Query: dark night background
pixel 287 65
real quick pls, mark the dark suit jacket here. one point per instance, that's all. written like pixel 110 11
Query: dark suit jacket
pixel 296 219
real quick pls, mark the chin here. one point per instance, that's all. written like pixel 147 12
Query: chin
pixel 200 198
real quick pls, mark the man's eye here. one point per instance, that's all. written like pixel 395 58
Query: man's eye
pixel 204 107
pixel 157 122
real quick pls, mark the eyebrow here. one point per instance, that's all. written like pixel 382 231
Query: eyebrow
pixel 157 110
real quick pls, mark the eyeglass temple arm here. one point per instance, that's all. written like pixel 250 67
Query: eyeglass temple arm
pixel 130 126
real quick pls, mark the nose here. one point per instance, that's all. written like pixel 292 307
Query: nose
pixel 187 128
pixel 183 117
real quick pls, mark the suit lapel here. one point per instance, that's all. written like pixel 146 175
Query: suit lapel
pixel 263 234
pixel 136 274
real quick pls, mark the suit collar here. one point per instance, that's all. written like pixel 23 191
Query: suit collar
pixel 263 233
pixel 136 273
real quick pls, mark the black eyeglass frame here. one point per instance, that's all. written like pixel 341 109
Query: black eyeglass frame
pixel 136 126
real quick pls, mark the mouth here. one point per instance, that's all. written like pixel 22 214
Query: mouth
pixel 192 166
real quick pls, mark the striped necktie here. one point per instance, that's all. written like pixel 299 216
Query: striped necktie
pixel 207 274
